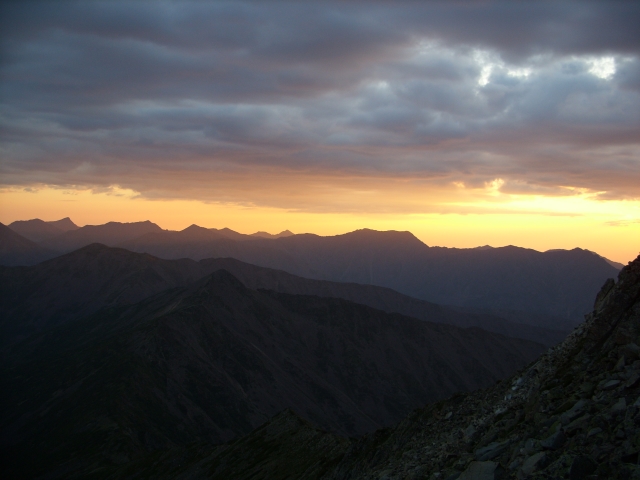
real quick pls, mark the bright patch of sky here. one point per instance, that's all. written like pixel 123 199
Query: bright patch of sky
pixel 489 62
pixel 493 187
pixel 603 67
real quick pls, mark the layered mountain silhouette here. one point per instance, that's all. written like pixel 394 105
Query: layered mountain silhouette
pixel 111 233
pixel 554 284
pixel 80 283
pixel 547 289
pixel 209 361
pixel 571 414
pixel 382 298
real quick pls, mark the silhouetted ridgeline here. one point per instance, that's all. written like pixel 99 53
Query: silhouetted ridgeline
pixel 81 282
pixel 547 289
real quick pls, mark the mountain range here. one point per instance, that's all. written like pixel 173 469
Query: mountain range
pixel 80 283
pixel 148 388
pixel 546 289
pixel 109 355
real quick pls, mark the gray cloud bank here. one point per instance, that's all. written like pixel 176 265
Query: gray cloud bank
pixel 162 96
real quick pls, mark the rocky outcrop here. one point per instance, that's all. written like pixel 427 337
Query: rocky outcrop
pixel 574 413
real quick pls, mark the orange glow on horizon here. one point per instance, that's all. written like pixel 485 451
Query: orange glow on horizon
pixel 610 228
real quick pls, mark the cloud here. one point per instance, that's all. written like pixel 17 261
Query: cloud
pixel 622 223
pixel 168 97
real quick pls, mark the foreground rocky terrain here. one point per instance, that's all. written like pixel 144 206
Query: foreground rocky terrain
pixel 574 413
pixel 148 388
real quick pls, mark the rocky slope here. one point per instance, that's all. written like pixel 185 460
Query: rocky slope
pixel 574 413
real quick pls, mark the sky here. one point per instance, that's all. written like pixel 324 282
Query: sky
pixel 466 123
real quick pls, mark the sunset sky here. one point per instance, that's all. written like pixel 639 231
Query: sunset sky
pixel 467 123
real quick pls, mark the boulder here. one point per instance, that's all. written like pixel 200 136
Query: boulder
pixel 630 351
pixel 555 441
pixel 534 463
pixel 574 412
pixel 619 407
pixel 491 451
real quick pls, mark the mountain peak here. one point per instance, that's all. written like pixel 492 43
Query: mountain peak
pixel 38 230
pixel 194 228
pixel 224 277
pixel 284 233
pixel 65 224
pixel 371 235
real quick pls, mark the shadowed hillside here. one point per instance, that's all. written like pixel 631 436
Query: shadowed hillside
pixel 80 283
pixel 214 360
pixel 574 413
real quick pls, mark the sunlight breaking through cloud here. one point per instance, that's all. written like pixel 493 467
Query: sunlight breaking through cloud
pixel 603 67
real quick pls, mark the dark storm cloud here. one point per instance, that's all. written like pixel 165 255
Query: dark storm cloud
pixel 541 94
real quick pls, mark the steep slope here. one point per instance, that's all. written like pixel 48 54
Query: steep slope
pixel 38 230
pixel 18 250
pixel 554 284
pixel 112 234
pixel 574 413
pixel 310 453
pixel 215 360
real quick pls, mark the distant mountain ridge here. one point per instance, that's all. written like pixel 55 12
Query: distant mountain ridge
pixel 552 285
pixel 80 283
pixel 555 283
pixel 110 233
pixel 38 230
pixel 284 233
